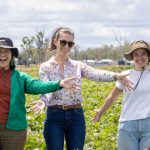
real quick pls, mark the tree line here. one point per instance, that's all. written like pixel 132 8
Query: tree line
pixel 34 50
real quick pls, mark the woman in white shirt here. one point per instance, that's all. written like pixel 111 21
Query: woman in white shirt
pixel 134 122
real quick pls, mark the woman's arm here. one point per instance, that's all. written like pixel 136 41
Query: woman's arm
pixel 103 75
pixel 33 86
pixel 96 74
pixel 44 76
pixel 109 101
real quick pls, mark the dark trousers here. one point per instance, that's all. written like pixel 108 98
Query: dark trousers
pixel 64 124
pixel 12 140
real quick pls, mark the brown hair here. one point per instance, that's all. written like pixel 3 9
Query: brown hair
pixel 12 62
pixel 56 35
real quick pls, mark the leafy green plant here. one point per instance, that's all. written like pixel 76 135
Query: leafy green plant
pixel 99 136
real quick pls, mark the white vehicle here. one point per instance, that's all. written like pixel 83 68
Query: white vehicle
pixel 105 62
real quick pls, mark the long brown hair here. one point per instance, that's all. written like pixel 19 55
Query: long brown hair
pixel 12 62
pixel 56 35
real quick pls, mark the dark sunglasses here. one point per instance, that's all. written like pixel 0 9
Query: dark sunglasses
pixel 64 42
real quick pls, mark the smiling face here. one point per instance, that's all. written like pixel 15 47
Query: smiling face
pixel 64 43
pixel 5 58
pixel 140 58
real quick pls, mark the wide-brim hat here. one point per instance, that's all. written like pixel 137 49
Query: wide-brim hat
pixel 8 44
pixel 136 45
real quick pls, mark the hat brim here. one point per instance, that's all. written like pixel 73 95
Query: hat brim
pixel 129 56
pixel 14 49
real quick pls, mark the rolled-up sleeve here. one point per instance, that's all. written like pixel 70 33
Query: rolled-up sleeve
pixel 119 85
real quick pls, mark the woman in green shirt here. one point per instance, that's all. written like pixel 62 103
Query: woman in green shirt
pixel 13 87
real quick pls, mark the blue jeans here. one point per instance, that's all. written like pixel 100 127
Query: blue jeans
pixel 64 124
pixel 134 135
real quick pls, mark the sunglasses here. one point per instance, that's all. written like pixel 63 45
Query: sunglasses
pixel 64 42
pixel 4 52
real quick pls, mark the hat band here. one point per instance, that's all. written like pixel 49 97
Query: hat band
pixel 3 43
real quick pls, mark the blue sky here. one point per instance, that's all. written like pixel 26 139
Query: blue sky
pixel 95 22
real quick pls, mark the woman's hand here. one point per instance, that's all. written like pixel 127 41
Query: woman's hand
pixel 122 78
pixel 38 106
pixel 69 83
pixel 97 116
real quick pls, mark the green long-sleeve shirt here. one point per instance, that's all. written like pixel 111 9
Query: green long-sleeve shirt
pixel 21 84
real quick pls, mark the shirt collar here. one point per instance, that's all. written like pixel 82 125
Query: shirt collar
pixel 52 59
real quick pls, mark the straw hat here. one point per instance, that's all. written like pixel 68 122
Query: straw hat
pixel 136 45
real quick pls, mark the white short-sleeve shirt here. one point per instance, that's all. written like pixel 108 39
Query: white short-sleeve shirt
pixel 136 103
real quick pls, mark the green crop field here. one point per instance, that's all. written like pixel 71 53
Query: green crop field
pixel 99 136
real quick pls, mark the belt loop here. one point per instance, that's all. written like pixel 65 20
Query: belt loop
pixel 64 107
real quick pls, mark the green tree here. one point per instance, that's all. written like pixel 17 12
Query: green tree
pixel 27 45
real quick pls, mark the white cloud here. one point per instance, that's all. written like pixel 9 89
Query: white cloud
pixel 94 22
